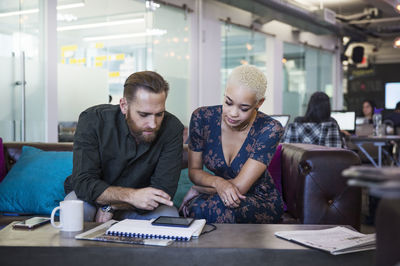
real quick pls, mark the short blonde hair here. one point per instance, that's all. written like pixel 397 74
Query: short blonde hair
pixel 250 77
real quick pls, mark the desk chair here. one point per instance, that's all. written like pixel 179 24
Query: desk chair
pixel 389 127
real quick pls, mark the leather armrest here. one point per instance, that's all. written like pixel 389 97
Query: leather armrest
pixel 313 187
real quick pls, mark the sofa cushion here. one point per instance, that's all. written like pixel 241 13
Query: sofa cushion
pixel 35 184
pixel 274 168
pixel 184 185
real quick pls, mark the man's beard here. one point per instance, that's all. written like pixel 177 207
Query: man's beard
pixel 138 133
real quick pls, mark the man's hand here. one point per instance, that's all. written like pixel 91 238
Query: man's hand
pixel 143 198
pixel 102 217
pixel 149 198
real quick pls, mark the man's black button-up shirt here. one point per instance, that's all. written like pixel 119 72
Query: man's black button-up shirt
pixel 106 154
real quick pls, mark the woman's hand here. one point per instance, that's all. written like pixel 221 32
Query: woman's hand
pixel 228 193
pixel 186 200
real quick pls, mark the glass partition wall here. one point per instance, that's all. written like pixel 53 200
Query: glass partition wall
pixel 305 71
pixel 22 101
pixel 101 42
pixel 104 41
pixel 241 46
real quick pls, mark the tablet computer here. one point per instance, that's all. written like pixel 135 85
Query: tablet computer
pixel 173 221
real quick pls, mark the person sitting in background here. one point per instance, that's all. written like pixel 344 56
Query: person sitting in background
pixel 236 142
pixel 368 109
pixel 317 126
pixel 395 116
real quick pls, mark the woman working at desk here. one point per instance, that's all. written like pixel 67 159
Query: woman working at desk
pixel 368 108
pixel 236 142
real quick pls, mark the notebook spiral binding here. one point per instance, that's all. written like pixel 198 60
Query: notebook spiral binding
pixel 147 236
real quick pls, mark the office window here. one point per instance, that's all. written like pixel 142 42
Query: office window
pixel 102 42
pixel 305 71
pixel 241 46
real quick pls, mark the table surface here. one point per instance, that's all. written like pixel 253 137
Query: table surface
pixel 230 244
pixel 225 236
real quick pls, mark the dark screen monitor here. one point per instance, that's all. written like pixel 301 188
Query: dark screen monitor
pixel 283 119
pixel 346 120
pixel 392 94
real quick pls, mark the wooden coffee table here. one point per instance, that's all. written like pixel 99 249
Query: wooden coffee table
pixel 230 244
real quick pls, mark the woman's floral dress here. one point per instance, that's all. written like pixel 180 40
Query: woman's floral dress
pixel 263 203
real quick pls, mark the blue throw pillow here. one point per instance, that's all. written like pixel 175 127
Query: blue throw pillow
pixel 35 184
pixel 184 185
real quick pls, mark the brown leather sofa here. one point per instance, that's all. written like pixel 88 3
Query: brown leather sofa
pixel 312 185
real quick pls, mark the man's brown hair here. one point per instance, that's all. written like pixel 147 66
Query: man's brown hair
pixel 148 80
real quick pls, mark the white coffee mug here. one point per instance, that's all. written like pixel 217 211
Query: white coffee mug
pixel 71 216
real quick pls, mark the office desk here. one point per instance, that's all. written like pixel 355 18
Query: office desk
pixel 380 142
pixel 230 244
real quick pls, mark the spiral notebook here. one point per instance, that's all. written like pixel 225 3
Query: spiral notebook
pixel 99 234
pixel 144 229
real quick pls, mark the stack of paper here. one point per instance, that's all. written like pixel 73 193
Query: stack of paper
pixel 337 240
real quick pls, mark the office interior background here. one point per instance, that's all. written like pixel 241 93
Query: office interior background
pixel 60 57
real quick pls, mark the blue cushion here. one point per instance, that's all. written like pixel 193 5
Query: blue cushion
pixel 35 184
pixel 184 185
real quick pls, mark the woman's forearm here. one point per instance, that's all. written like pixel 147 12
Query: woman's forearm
pixel 205 190
pixel 202 178
pixel 248 175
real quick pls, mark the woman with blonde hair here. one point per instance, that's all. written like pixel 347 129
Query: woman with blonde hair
pixel 235 142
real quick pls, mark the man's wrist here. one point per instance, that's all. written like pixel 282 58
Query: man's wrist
pixel 107 208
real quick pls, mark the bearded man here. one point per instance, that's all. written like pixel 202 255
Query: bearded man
pixel 127 158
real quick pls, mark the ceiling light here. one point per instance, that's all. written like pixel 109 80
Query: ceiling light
pixel 396 43
pixel 60 7
pixel 17 13
pixel 398 8
pixel 306 4
pixel 36 10
pixel 66 17
pixel 100 24
pixel 152 32
pixel 151 5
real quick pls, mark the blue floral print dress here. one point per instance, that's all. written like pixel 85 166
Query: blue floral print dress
pixel 263 203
